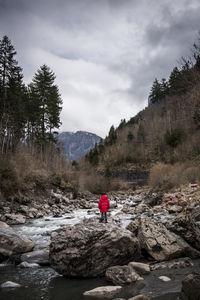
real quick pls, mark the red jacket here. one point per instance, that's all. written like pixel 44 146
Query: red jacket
pixel 104 203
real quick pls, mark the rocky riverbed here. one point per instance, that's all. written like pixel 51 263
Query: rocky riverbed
pixel 150 228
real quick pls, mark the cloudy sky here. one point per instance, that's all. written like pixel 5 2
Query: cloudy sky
pixel 105 53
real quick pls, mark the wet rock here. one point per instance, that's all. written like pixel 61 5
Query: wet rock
pixel 88 249
pixel 140 268
pixel 184 226
pixel 39 257
pixel 12 243
pixel 113 204
pixel 121 275
pixel 25 264
pixel 191 287
pixel 161 244
pixel 9 284
pixel 14 219
pixel 164 278
pixel 173 264
pixel 140 297
pixel 104 291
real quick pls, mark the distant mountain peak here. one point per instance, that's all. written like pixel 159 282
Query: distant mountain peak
pixel 77 144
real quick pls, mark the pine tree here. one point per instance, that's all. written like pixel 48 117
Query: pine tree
pixel 156 92
pixel 12 96
pixel 46 102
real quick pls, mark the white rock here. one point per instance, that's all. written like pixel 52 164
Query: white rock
pixel 164 278
pixel 103 291
pixel 10 284
pixel 25 264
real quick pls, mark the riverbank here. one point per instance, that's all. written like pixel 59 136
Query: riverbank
pixel 130 209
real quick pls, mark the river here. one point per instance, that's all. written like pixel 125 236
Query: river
pixel 44 283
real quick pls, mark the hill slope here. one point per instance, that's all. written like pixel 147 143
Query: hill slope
pixel 76 145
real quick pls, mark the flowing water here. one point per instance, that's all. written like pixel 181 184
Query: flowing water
pixel 44 283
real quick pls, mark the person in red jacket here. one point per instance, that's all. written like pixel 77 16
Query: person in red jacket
pixel 104 206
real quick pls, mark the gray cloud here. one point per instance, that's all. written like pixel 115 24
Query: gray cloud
pixel 105 53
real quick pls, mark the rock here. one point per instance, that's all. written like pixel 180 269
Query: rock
pixel 140 268
pixel 140 297
pixel 162 244
pixel 88 249
pixel 191 287
pixel 173 264
pixel 39 257
pixel 14 219
pixel 104 291
pixel 175 209
pixel 113 204
pixel 184 226
pixel 133 227
pixel 164 278
pixel 25 264
pixel 12 243
pixel 120 275
pixel 196 213
pixel 141 208
pixel 10 284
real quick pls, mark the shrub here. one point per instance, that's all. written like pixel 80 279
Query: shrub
pixel 174 138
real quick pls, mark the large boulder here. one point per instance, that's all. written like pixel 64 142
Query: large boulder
pixel 191 287
pixel 161 244
pixel 184 226
pixel 88 249
pixel 12 243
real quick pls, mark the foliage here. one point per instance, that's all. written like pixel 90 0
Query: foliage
pixel 174 138
pixel 130 136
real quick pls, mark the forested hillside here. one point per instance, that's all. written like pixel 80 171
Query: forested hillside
pixel 29 118
pixel 165 133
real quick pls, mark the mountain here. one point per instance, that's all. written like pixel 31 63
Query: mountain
pixel 77 144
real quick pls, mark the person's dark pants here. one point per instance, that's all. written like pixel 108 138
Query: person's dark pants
pixel 103 217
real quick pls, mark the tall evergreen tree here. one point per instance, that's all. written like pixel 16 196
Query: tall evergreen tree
pixel 156 92
pixel 12 97
pixel 46 102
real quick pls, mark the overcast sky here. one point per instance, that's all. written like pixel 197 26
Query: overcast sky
pixel 105 53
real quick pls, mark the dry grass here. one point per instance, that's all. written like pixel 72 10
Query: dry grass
pixel 27 170
pixel 166 176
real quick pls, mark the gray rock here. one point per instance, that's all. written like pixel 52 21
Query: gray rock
pixel 10 284
pixel 133 227
pixel 191 287
pixel 103 291
pixel 173 264
pixel 121 275
pixel 40 257
pixel 140 268
pixel 14 219
pixel 88 249
pixel 185 227
pixel 12 243
pixel 162 244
